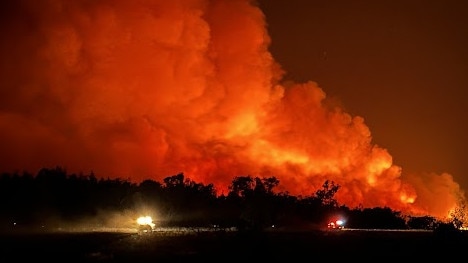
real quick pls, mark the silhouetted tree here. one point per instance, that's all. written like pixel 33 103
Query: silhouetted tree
pixel 327 194
pixel 377 217
pixel 251 202
pixel 241 186
pixel 174 181
pixel 270 183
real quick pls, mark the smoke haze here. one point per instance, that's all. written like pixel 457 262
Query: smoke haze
pixel 148 89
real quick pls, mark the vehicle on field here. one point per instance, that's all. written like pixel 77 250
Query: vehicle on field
pixel 145 224
pixel 336 224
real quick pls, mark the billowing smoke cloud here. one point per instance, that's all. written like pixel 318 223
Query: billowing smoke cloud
pixel 151 88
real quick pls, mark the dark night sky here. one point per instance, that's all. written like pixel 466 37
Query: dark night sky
pixel 401 65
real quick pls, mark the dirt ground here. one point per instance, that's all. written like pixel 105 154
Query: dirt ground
pixel 231 246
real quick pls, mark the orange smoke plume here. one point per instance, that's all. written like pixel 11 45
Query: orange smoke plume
pixel 151 88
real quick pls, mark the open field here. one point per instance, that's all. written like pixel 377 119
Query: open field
pixel 222 246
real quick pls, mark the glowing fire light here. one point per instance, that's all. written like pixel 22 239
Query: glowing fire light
pixel 148 89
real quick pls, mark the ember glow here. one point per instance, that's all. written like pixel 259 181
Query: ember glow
pixel 149 89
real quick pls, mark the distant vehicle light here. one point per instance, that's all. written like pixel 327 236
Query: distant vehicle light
pixel 145 224
pixel 338 224
pixel 145 220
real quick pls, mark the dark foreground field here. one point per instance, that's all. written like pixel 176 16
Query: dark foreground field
pixel 166 246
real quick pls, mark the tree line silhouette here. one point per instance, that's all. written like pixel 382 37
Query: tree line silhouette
pixel 251 203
